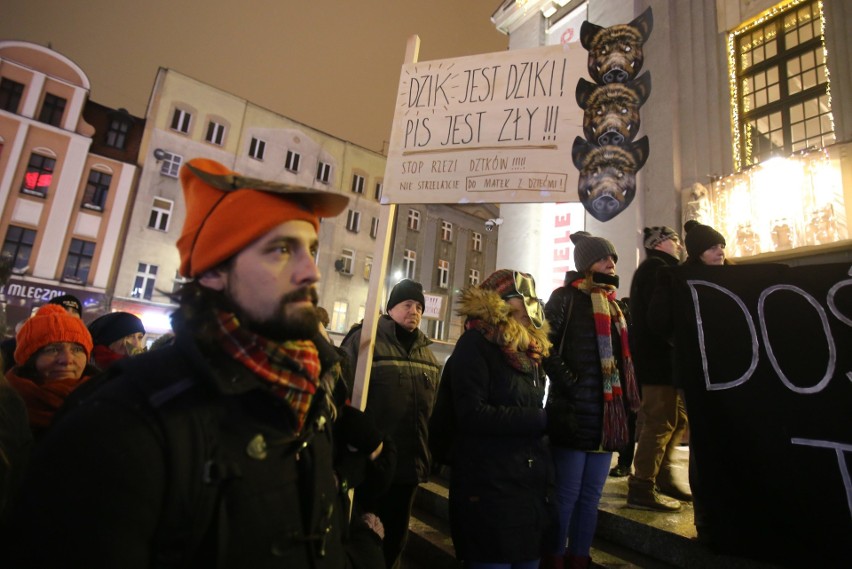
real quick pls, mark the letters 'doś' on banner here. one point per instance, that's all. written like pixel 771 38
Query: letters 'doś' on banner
pixel 496 127
pixel 764 353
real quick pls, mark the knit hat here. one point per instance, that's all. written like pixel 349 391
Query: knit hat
pixel 67 301
pixel 49 325
pixel 114 326
pixel 225 212
pixel 588 250
pixel 515 284
pixel 406 289
pixel 700 237
pixel 653 236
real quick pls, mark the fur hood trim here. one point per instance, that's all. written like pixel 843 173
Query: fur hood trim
pixel 486 305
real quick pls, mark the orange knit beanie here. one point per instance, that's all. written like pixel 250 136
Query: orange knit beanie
pixel 226 212
pixel 50 324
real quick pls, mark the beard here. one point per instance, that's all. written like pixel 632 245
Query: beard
pixel 288 322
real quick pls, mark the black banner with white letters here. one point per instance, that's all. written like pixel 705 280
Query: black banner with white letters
pixel 764 354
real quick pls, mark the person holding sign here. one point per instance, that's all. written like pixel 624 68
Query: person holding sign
pixel 662 414
pixel 704 245
pixel 591 375
pixel 502 473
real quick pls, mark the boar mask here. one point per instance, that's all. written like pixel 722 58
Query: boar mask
pixel 615 53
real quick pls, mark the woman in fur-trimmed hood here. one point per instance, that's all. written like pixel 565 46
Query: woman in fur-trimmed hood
pixel 500 503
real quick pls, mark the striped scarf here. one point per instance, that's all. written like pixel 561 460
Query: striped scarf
pixel 292 368
pixel 606 311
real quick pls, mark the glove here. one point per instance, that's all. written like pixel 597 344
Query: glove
pixel 561 422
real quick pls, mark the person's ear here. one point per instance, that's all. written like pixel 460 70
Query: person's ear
pixel 215 279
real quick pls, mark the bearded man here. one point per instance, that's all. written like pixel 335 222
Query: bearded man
pixel 215 451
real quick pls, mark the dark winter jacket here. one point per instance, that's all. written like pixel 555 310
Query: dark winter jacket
pixel 500 499
pixel 652 352
pixel 575 371
pixel 183 458
pixel 16 442
pixel 401 395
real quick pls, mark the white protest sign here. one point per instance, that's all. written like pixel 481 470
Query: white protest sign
pixel 434 305
pixel 496 127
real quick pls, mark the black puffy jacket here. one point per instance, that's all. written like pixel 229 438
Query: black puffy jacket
pixel 183 458
pixel 575 371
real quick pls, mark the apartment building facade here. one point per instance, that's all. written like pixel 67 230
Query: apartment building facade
pixel 67 172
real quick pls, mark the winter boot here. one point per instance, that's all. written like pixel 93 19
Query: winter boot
pixel 642 495
pixel 551 561
pixel 577 562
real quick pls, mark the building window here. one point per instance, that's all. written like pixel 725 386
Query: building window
pixel 446 231
pixel 291 162
pixel 38 176
pixel 473 277
pixel 348 258
pixel 146 277
pixel 476 241
pixel 378 194
pixel 353 221
pixel 374 227
pixel 368 268
pixel 338 316
pixel 443 273
pixel 781 102
pixel 437 329
pixel 181 120
pixel 409 263
pixel 170 165
pixel 97 189
pixel 52 110
pixel 323 172
pixel 161 213
pixel 414 220
pixel 10 95
pixel 215 133
pixel 19 245
pixel 257 148
pixel 79 261
pixel 116 136
pixel 358 184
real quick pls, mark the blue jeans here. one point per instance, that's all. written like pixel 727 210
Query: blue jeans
pixel 517 565
pixel 580 478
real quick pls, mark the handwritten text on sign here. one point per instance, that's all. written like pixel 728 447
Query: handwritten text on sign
pixel 490 128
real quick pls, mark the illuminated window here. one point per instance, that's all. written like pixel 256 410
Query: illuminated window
pixel 368 267
pixel 348 258
pixel 780 85
pixel 338 316
pixel 38 176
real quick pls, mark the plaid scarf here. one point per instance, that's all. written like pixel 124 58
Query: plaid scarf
pixel 606 311
pixel 525 362
pixel 292 368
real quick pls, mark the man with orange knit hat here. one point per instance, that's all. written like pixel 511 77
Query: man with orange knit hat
pixel 215 451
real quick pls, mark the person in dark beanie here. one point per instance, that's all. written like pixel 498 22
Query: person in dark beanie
pixel 654 485
pixel 70 303
pixel 592 379
pixel 502 474
pixel 403 382
pixel 116 335
pixel 220 449
pixel 704 245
